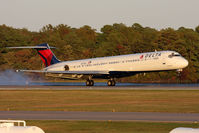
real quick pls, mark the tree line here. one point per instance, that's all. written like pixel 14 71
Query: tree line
pixel 86 42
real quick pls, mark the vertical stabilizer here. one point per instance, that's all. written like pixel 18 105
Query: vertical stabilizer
pixel 46 54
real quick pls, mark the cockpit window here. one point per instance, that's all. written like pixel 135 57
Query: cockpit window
pixel 173 54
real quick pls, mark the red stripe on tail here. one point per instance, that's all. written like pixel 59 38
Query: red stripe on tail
pixel 46 56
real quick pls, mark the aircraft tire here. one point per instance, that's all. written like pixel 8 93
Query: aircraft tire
pixel 89 82
pixel 111 83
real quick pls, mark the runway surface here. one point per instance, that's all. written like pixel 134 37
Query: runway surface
pixel 61 87
pixel 98 85
pixel 105 116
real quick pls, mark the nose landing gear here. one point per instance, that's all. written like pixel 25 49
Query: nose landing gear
pixel 180 75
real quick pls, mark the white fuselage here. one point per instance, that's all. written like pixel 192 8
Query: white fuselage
pixel 151 61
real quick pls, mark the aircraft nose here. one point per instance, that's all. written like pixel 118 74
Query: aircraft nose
pixel 184 63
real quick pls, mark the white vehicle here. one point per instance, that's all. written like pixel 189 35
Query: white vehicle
pixel 107 67
pixel 9 126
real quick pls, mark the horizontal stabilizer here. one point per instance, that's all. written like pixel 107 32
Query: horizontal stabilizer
pixel 35 47
pixel 44 51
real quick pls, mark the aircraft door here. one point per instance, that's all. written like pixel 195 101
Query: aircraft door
pixel 66 68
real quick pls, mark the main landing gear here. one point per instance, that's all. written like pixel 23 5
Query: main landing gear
pixel 89 82
pixel 111 82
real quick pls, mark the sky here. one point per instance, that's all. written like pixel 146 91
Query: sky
pixel 158 14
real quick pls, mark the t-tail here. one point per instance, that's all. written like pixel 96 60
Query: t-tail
pixel 45 53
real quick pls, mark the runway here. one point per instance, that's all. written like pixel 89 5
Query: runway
pixel 100 116
pixel 82 87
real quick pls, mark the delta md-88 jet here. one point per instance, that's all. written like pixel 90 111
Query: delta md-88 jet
pixel 107 67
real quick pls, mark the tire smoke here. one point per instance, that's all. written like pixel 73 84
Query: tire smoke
pixel 10 77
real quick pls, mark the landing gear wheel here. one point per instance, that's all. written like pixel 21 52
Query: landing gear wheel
pixel 89 82
pixel 180 76
pixel 111 83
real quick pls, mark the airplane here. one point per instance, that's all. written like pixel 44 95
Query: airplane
pixel 110 68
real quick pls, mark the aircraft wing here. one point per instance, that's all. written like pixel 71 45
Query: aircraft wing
pixel 66 72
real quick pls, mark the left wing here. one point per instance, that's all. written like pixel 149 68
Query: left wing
pixel 66 72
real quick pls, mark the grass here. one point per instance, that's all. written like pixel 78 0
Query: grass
pixel 107 127
pixel 183 101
